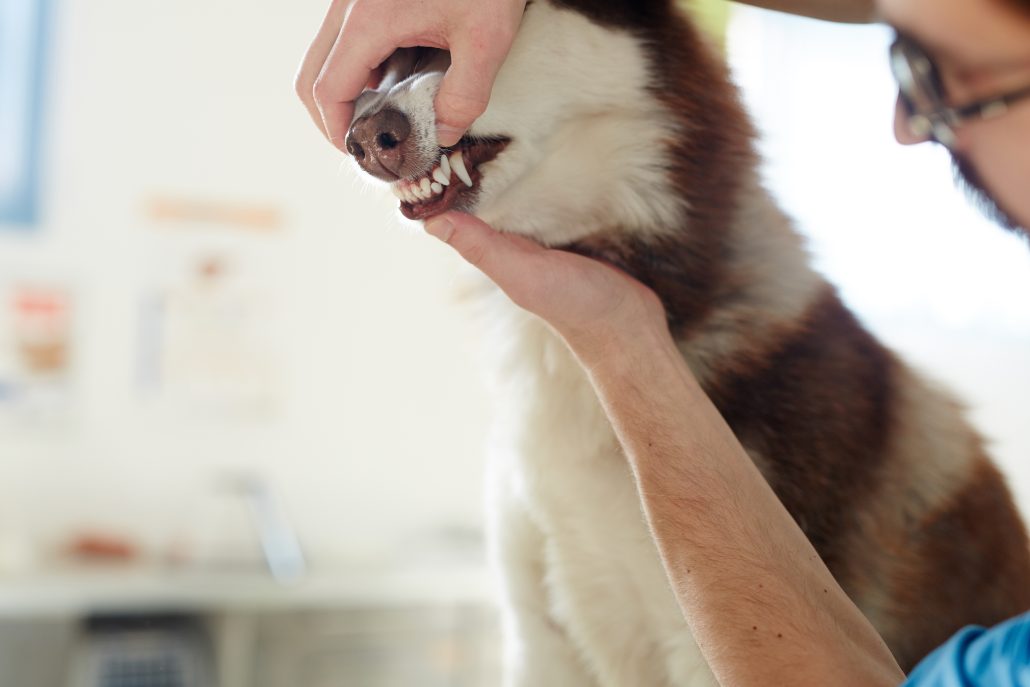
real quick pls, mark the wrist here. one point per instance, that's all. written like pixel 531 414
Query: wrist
pixel 614 351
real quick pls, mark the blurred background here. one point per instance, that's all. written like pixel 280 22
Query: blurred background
pixel 241 423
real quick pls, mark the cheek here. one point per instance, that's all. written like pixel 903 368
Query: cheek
pixel 998 149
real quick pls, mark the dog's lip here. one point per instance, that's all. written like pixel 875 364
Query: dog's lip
pixel 445 201
pixel 475 152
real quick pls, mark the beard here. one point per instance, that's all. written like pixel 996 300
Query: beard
pixel 969 180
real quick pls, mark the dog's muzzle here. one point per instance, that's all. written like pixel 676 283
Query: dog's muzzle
pixel 381 143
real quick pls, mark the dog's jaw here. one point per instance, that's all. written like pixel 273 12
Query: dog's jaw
pixel 452 183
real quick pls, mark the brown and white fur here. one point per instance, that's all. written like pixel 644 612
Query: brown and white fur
pixel 623 139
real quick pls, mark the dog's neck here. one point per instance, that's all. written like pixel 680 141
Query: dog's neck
pixel 721 285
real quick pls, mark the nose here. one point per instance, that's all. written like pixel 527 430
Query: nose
pixel 903 131
pixel 380 143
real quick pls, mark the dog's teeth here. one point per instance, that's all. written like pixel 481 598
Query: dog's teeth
pixel 425 186
pixel 397 191
pixel 440 177
pixel 437 188
pixel 445 167
pixel 458 165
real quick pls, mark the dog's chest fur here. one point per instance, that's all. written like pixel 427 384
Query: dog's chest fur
pixel 590 561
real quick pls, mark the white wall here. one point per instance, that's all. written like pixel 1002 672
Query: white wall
pixel 380 432
pixel 383 418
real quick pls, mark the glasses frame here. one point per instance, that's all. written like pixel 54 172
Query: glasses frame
pixel 922 94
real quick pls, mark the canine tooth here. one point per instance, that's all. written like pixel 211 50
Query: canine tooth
pixel 437 188
pixel 443 180
pixel 424 185
pixel 458 165
pixel 445 167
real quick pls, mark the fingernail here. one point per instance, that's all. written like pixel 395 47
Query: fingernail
pixel 447 135
pixel 440 227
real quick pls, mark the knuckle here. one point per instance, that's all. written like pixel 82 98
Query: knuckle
pixel 474 253
pixel 303 86
pixel 320 90
pixel 355 8
pixel 462 106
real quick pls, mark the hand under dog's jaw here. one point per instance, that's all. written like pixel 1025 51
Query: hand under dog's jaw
pixel 451 183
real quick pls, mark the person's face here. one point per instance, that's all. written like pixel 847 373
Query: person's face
pixel 982 49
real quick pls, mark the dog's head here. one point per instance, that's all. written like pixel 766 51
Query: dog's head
pixel 580 134
pixel 393 137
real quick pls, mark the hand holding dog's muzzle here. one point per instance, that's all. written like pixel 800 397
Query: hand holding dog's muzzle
pixel 357 36
pixel 591 304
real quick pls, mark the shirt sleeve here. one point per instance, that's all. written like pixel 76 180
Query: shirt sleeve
pixel 975 657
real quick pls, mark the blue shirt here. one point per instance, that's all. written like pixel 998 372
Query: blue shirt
pixel 975 657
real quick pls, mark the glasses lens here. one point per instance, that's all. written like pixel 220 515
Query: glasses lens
pixel 916 76
pixel 920 91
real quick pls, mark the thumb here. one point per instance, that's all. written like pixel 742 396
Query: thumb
pixel 465 90
pixel 510 261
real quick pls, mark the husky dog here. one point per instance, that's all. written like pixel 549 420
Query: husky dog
pixel 613 131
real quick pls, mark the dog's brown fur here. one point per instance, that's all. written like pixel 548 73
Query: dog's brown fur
pixel 853 442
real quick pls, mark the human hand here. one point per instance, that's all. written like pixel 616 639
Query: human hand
pixel 591 304
pixel 358 35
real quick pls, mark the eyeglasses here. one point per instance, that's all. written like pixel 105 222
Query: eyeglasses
pixel 922 95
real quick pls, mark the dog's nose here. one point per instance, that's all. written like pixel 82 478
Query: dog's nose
pixel 379 143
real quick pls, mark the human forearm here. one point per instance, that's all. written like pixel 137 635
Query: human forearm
pixel 762 605
pixel 852 11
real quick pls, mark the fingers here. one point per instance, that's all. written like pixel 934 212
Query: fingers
pixel 352 62
pixel 465 90
pixel 356 37
pixel 315 57
pixel 348 69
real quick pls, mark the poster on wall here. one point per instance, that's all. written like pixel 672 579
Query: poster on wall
pixel 36 352
pixel 212 335
pixel 22 39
